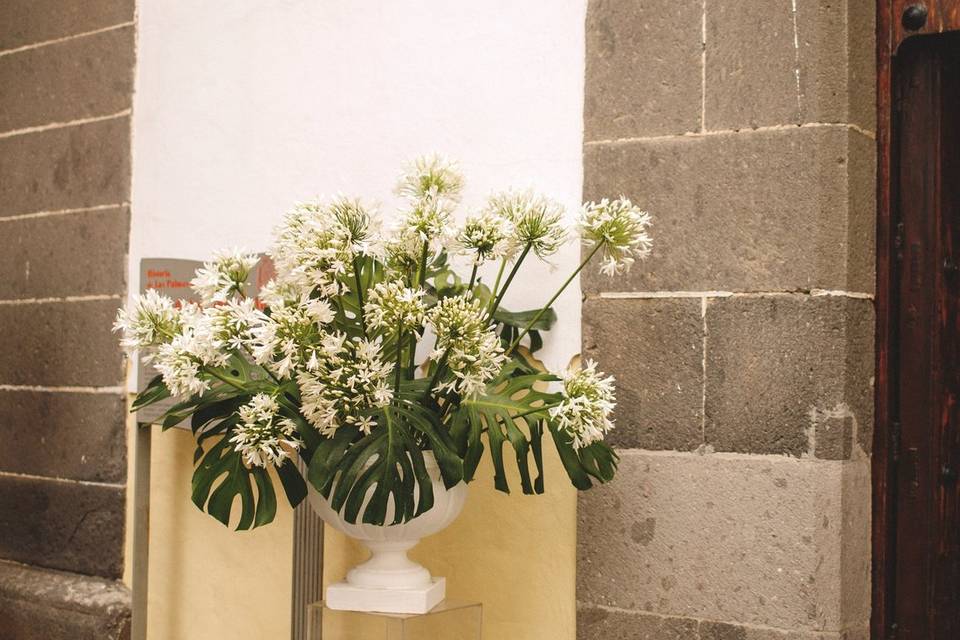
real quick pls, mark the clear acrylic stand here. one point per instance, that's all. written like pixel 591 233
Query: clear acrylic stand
pixel 449 620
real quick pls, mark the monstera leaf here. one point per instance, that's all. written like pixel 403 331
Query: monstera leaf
pixel 509 399
pixel 597 460
pixel 364 475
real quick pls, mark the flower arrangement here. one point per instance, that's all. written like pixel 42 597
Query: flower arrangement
pixel 368 349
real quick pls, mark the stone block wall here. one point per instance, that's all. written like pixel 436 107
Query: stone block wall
pixel 743 348
pixel 66 85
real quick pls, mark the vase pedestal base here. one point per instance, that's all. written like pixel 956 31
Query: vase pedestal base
pixel 347 597
pixel 449 620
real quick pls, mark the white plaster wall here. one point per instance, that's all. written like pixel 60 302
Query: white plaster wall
pixel 243 107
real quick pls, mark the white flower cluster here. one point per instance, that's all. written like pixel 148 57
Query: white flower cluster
pixel 620 228
pixel 196 345
pixel 588 400
pixel 466 345
pixel 487 236
pixel 432 187
pixel 395 307
pixel 537 221
pixel 151 321
pixel 262 437
pixel 290 337
pixel 219 279
pixel 343 381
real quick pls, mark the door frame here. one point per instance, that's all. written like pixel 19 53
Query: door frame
pixel 893 27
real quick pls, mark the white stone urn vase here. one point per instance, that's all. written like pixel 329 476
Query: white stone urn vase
pixel 389 582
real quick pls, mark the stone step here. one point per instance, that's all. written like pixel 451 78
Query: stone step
pixel 43 604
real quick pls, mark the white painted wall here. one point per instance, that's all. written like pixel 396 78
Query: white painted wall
pixel 243 107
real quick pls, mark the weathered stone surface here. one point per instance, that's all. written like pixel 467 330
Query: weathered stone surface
pixel 758 211
pixel 769 65
pixel 70 255
pixel 782 370
pixel 70 167
pixel 643 68
pixel 724 631
pixel 65 435
pixel 60 343
pixel 81 78
pixel 654 349
pixel 751 65
pixel 32 21
pixel 594 623
pixel 62 525
pixel 41 604
pixel 716 537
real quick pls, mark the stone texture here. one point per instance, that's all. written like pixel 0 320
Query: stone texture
pixel 751 65
pixel 759 211
pixel 716 537
pixel 40 604
pixel 767 66
pixel 654 349
pixel 642 68
pixel 62 525
pixel 32 21
pixel 782 370
pixel 80 436
pixel 594 623
pixel 80 78
pixel 70 167
pixel 70 255
pixel 60 344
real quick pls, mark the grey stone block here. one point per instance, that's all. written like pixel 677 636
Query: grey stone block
pixel 766 65
pixel 80 78
pixel 758 211
pixel 41 604
pixel 70 255
pixel 751 65
pixel 62 525
pixel 654 349
pixel 594 623
pixel 783 370
pixel 80 436
pixel 643 68
pixel 65 168
pixel 60 344
pixel 717 537
pixel 32 21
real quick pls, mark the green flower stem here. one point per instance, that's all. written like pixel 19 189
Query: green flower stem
pixel 356 277
pixel 506 285
pixel 421 280
pixel 473 276
pixel 496 283
pixel 396 374
pixel 441 366
pixel 536 318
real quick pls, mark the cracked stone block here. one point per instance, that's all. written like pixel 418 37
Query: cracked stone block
pixel 32 21
pixel 61 344
pixel 41 604
pixel 80 436
pixel 654 349
pixel 595 623
pixel 51 257
pixel 643 64
pixel 66 168
pixel 80 78
pixel 782 370
pixel 61 524
pixel 782 210
pixel 719 537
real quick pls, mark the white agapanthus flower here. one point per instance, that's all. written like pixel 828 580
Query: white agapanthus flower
pixel 226 275
pixel 234 322
pixel 262 437
pixel 621 228
pixel 181 360
pixel 537 220
pixel 588 401
pixel 465 345
pixel 284 341
pixel 344 381
pixel 151 321
pixel 487 236
pixel 394 307
pixel 431 178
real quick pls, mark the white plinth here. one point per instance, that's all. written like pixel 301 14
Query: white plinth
pixel 346 597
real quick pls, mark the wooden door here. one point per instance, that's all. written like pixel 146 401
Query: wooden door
pixel 917 494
